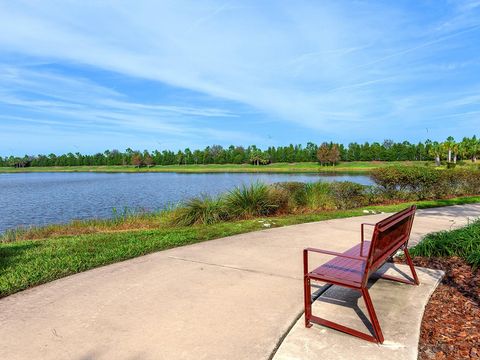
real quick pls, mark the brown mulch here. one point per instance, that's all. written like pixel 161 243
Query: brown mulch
pixel 451 322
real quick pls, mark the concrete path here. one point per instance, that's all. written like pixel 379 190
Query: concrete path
pixel 231 298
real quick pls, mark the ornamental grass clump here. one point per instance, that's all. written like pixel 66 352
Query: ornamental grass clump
pixel 463 242
pixel 252 200
pixel 204 210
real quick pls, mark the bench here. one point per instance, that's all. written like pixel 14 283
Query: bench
pixel 353 268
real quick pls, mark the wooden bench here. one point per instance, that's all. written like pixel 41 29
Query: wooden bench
pixel 354 267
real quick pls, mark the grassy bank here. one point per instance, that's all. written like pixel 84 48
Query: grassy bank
pixel 28 263
pixel 307 167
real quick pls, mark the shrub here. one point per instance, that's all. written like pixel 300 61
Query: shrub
pixel 468 181
pixel 295 190
pixel 281 199
pixel 374 195
pixel 348 195
pixel 249 201
pixel 388 179
pixel 200 210
pixel 421 183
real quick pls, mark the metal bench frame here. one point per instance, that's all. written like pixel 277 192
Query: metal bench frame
pixel 389 236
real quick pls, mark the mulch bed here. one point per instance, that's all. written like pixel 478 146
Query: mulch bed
pixel 451 322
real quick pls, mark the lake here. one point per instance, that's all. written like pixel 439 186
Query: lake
pixel 45 198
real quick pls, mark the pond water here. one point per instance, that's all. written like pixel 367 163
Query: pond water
pixel 45 198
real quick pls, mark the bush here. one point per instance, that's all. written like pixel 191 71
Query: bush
pixel 374 195
pixel 388 179
pixel 250 201
pixel 281 199
pixel 200 210
pixel 295 190
pixel 399 181
pixel 348 195
pixel 420 183
pixel 467 180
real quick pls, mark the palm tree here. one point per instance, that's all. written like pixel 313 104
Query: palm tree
pixel 434 149
pixel 455 151
pixel 474 148
pixel 449 145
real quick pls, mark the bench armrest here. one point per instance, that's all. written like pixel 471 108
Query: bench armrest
pixel 326 252
pixel 334 253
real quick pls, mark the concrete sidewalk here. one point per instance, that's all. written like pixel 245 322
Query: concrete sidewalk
pixel 399 308
pixel 231 298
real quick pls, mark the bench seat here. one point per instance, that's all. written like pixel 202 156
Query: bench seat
pixel 343 269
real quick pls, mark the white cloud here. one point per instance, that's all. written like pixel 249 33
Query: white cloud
pixel 315 64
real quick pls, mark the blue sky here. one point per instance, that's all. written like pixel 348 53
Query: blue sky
pixel 93 75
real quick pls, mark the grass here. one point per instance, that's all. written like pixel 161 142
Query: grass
pixel 304 167
pixel 32 262
pixel 463 242
pixel 205 210
pixel 249 201
pixel 125 221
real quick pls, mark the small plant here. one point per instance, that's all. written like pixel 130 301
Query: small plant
pixel 318 195
pixel 296 191
pixel 250 200
pixel 11 235
pixel 348 195
pixel 281 199
pixel 200 210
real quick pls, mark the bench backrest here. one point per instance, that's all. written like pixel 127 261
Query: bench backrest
pixel 389 236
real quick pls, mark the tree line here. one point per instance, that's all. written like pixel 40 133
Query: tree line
pixel 325 153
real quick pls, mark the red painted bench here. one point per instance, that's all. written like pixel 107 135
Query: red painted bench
pixel 354 267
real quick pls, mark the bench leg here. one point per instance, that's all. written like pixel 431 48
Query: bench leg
pixel 310 318
pixel 307 292
pixel 410 264
pixel 412 269
pixel 373 316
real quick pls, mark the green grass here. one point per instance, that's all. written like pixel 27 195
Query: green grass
pixel 28 263
pixel 205 210
pixel 249 201
pixel 463 242
pixel 306 167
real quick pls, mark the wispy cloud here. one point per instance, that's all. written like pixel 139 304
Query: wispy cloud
pixel 378 70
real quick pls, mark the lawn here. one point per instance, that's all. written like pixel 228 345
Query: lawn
pixel 28 263
pixel 306 167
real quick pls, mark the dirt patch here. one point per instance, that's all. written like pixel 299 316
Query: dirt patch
pixel 451 322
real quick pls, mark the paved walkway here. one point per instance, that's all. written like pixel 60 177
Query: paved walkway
pixel 399 308
pixel 231 298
